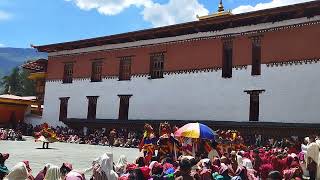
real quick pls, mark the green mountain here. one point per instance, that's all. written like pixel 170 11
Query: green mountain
pixel 12 57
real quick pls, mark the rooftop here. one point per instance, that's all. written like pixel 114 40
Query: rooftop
pixel 13 99
pixel 39 65
pixel 209 23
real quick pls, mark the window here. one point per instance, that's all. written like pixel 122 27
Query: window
pixel 124 107
pixel 40 87
pixel 256 55
pixel 254 104
pixel 156 65
pixel 125 68
pixel 92 107
pixel 227 58
pixel 68 73
pixel 63 108
pixel 96 71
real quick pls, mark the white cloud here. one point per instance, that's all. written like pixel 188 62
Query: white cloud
pixel 175 11
pixel 2 45
pixel 272 4
pixel 110 7
pixel 172 12
pixel 4 15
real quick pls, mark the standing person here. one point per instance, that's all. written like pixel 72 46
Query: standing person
pixel 258 140
pixel 214 151
pixel 312 159
pixel 148 143
pixel 46 136
pixel 3 168
pixel 302 156
pixel 256 161
pixel 112 136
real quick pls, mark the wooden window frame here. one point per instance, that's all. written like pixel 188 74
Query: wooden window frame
pixel 157 61
pixel 254 110
pixel 125 68
pixel 92 107
pixel 96 71
pixel 124 105
pixel 227 57
pixel 256 55
pixel 63 112
pixel 68 72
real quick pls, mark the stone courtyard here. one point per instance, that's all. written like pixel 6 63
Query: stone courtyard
pixel 79 155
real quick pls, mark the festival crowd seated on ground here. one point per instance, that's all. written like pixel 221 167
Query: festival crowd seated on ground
pixel 267 162
pixel 227 157
pixel 10 134
pixel 103 137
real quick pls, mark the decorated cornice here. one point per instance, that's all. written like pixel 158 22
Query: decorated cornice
pixel 140 75
pixel 293 62
pixel 240 67
pixel 203 70
pixel 225 33
pixel 110 77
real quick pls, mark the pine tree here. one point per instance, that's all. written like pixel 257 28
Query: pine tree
pixel 17 83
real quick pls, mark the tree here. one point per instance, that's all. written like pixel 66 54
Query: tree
pixel 28 86
pixel 17 83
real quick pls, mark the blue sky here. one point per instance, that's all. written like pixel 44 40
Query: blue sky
pixel 38 22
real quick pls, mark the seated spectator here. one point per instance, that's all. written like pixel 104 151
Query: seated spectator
pixel 103 168
pixel 185 170
pixel 241 174
pixel 65 169
pixel 73 175
pixel 3 168
pixel 19 172
pixel 274 175
pixel 140 161
pixel 43 172
pixel 121 166
pixel 53 173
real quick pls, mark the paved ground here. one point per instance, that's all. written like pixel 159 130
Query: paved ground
pixel 79 155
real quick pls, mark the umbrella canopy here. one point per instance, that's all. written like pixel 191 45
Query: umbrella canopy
pixel 196 130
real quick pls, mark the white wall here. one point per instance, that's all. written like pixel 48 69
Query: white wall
pixel 33 119
pixel 291 96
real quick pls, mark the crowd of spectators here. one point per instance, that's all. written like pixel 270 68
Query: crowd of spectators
pixel 10 134
pixel 103 137
pixel 262 158
pixel 266 162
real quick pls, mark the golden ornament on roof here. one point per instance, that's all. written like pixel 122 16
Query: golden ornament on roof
pixel 221 12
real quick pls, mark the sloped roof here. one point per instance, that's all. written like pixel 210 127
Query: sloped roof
pixel 39 65
pixel 307 9
pixel 13 99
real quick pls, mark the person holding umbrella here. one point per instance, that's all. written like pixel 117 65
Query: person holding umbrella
pixel 196 131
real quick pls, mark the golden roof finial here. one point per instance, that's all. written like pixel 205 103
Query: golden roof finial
pixel 220 12
pixel 220 9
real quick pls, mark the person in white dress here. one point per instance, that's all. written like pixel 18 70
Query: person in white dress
pixel 312 159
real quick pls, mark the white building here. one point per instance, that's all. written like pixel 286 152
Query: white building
pixel 259 66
